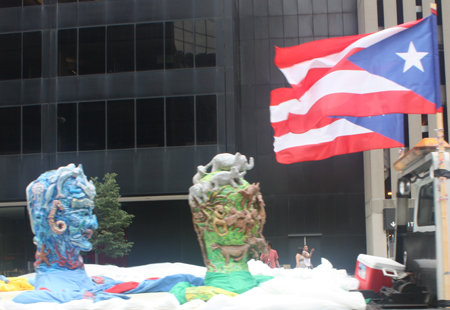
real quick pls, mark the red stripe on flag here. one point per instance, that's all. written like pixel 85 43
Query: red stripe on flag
pixel 339 146
pixel 280 95
pixel 288 56
pixel 316 74
pixel 282 128
pixel 360 105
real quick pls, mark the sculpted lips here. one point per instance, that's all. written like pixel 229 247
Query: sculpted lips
pixel 88 233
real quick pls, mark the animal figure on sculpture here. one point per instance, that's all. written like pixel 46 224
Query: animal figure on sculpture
pixel 60 205
pixel 232 177
pixel 225 161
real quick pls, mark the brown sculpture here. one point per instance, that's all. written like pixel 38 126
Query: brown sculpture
pixel 228 214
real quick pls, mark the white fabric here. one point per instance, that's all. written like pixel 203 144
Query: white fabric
pixel 323 287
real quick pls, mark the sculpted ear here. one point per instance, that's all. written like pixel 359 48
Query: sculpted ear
pixel 58 227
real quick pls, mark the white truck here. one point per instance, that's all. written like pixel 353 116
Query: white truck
pixel 424 250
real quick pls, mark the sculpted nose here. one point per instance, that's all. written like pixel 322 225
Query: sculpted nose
pixel 93 224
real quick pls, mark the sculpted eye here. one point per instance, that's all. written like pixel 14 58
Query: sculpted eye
pixel 74 221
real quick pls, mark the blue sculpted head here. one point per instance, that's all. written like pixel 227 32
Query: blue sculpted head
pixel 60 204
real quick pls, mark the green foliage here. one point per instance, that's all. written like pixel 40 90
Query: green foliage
pixel 109 239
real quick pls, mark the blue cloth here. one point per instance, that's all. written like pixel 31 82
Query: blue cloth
pixel 165 284
pixel 105 296
pixel 107 284
pixel 71 285
pixel 75 280
pixel 62 296
pixel 4 279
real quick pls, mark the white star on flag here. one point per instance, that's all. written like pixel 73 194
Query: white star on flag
pixel 412 58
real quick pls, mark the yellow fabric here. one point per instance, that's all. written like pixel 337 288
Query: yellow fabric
pixel 16 284
pixel 205 292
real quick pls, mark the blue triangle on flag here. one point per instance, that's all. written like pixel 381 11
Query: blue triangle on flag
pixel 382 59
pixel 388 125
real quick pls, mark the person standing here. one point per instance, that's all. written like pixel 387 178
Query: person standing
pixel 299 258
pixel 271 258
pixel 307 257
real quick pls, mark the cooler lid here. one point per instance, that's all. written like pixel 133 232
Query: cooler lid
pixel 376 262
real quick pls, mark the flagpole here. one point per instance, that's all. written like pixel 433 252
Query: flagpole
pixel 443 197
pixel 443 204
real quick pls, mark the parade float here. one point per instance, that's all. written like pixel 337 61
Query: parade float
pixel 228 214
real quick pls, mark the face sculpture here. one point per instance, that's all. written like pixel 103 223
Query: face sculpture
pixel 60 204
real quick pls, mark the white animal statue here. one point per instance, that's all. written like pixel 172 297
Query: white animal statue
pixel 227 178
pixel 201 171
pixel 225 161
pixel 198 192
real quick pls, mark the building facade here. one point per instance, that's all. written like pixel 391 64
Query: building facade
pixel 152 89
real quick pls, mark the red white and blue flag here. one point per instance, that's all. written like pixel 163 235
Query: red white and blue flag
pixel 346 92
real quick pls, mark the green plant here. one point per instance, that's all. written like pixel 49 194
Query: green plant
pixel 109 239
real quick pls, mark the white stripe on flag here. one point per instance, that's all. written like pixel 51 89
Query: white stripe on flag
pixel 279 113
pixel 328 133
pixel 351 82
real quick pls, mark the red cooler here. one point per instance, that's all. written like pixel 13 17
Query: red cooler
pixel 374 272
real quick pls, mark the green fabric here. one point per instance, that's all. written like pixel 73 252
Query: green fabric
pixel 237 281
pixel 179 290
pixel 206 292
pixel 262 279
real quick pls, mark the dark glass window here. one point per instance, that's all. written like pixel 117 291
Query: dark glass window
pixel 205 43
pixel 10 131
pixel 10 3
pixel 66 1
pixel 206 119
pixel 425 212
pixel 91 126
pixel 91 50
pixel 67 52
pixel 31 129
pixel 10 56
pixel 180 121
pixel 120 124
pixel 32 55
pixel 15 230
pixel 149 46
pixel 67 127
pixel 150 122
pixel 32 2
pixel 120 48
pixel 179 44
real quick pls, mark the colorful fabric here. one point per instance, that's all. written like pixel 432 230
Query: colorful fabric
pixel 15 284
pixel 165 284
pixel 206 292
pixel 76 280
pixel 123 287
pixel 220 283
pixel 63 296
pixel 336 82
pixel 179 290
pixel 236 282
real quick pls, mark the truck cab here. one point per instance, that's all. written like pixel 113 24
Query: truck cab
pixel 422 250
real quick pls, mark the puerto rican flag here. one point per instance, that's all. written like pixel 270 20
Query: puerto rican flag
pixel 347 91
